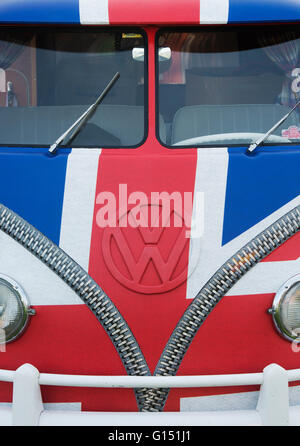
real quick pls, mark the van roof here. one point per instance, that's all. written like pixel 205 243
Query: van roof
pixel 137 12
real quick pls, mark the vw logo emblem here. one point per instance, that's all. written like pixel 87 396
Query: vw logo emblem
pixel 148 260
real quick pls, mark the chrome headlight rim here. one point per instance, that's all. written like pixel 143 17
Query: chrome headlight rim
pixel 279 298
pixel 27 311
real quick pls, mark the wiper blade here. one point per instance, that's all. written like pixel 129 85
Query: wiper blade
pixel 83 119
pixel 253 146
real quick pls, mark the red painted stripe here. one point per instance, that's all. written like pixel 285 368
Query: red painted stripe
pixel 154 11
pixel 290 250
pixel 151 317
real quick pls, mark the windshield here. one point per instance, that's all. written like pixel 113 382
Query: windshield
pixel 229 86
pixel 49 77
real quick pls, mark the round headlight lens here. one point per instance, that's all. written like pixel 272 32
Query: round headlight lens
pixel 286 309
pixel 14 310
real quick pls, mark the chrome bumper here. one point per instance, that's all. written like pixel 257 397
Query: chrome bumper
pixel 273 406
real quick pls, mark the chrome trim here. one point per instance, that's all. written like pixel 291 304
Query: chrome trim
pixel 276 306
pixel 273 407
pixel 27 311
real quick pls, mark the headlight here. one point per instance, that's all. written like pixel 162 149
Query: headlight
pixel 286 309
pixel 14 309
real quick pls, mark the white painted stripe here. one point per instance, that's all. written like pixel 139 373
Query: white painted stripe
pixel 52 406
pixel 63 406
pixel 207 253
pixel 93 12
pixel 233 401
pixel 42 286
pixel 203 249
pixel 78 205
pixel 265 278
pixel 214 11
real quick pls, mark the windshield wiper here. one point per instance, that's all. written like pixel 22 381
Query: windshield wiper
pixel 83 119
pixel 253 146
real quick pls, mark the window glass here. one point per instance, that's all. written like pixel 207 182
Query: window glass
pixel 228 86
pixel 49 77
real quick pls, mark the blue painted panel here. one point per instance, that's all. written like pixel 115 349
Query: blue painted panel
pixel 39 11
pixel 263 10
pixel 32 184
pixel 258 185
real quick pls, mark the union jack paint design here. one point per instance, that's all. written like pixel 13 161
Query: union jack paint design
pixel 113 12
pixel 150 283
pixel 153 300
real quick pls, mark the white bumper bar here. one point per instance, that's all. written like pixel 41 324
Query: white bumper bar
pixel 272 409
